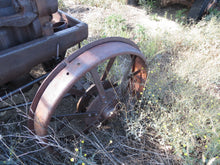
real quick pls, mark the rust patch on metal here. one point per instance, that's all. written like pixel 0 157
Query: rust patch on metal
pixel 31 33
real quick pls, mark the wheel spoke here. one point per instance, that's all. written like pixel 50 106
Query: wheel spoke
pixel 99 85
pixel 133 74
pixel 128 70
pixel 76 115
pixel 107 69
pixel 126 76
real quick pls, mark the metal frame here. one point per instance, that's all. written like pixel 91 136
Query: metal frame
pixel 23 57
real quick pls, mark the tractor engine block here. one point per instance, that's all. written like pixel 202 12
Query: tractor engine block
pixel 25 20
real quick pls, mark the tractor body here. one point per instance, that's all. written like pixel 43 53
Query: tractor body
pixel 33 32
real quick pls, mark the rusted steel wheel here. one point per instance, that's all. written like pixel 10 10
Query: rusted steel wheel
pixel 98 75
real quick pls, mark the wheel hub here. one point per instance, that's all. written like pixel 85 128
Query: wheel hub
pixel 105 110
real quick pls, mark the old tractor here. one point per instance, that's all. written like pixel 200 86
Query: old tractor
pixel 197 7
pixel 98 77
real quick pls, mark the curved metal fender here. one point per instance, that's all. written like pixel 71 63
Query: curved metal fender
pixel 70 70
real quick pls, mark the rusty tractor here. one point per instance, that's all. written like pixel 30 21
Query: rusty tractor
pixel 197 7
pixel 98 76
pixel 164 3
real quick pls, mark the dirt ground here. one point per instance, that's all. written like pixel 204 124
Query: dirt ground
pixel 134 15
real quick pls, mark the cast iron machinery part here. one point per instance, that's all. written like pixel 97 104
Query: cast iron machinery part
pixel 70 70
pixel 51 64
pixel 132 2
pixel 199 8
pixel 90 92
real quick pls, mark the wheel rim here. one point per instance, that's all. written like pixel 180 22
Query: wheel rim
pixel 69 72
